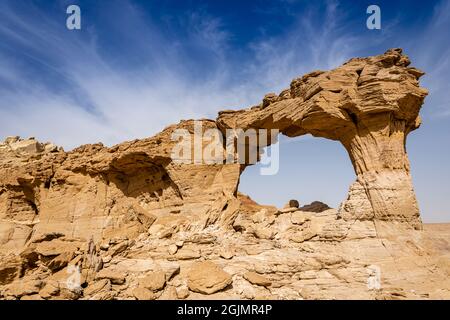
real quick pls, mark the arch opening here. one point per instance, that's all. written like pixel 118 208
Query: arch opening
pixel 310 169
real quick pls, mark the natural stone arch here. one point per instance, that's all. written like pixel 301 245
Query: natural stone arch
pixel 369 105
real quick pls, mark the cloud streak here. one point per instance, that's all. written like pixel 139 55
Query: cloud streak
pixel 81 87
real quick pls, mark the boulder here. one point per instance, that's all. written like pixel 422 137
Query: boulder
pixel 116 277
pixel 102 285
pixel 61 260
pixel 29 146
pixel 24 288
pixel 10 269
pixel 206 277
pixel 144 294
pixel 182 292
pixel 50 289
pixel 186 254
pixel 172 249
pixel 153 281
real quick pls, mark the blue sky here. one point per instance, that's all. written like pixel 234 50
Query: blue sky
pixel 138 66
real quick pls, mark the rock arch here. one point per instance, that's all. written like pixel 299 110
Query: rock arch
pixel 369 105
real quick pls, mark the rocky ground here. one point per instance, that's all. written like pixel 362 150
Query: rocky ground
pixel 270 254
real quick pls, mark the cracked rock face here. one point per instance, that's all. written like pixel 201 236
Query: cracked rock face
pixel 129 222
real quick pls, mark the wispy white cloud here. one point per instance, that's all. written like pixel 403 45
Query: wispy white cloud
pixel 105 97
pixel 105 101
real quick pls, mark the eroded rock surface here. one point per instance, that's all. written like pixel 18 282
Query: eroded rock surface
pixel 129 222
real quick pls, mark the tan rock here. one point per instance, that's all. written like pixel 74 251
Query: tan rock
pixel 95 287
pixel 287 210
pixel 172 249
pixel 50 289
pixel 61 260
pixel 182 292
pixel 118 248
pixel 116 277
pixel 169 293
pixel 179 243
pixel 24 288
pixel 50 147
pixel 69 293
pixel 104 295
pixel 56 247
pixel 299 217
pixel 187 254
pixel 207 278
pixel 144 294
pixel 153 281
pixel 264 233
pixel 257 279
pixel 29 146
pixel 10 269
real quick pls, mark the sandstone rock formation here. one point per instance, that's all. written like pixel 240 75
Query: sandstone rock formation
pixel 369 105
pixel 130 222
